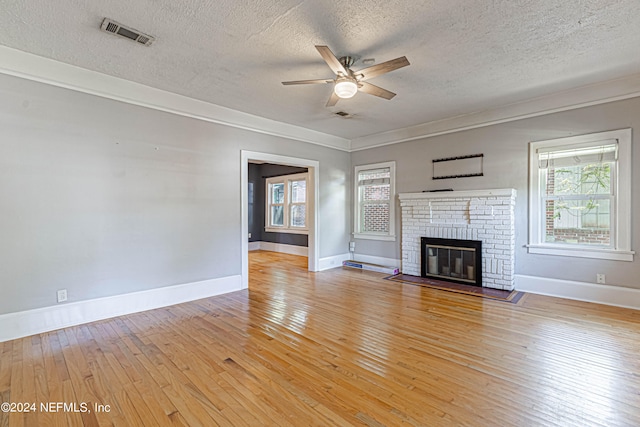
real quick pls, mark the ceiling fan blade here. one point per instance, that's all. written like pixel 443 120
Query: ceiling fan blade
pixel 333 99
pixel 375 90
pixel 382 68
pixel 332 61
pixel 308 82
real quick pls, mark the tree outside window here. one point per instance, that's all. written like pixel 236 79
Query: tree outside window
pixel 580 196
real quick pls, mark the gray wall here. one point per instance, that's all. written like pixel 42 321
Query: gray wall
pixel 258 173
pixel 505 147
pixel 103 198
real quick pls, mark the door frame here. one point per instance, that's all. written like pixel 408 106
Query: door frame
pixel 313 166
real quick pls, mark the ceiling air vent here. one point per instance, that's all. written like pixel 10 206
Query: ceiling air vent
pixel 110 26
pixel 343 114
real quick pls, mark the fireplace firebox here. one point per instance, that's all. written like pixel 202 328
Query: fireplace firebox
pixel 453 260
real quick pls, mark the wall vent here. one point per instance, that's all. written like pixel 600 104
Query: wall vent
pixel 111 26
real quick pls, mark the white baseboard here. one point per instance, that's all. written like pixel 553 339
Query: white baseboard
pixel 333 261
pixel 282 248
pixel 617 296
pixel 336 261
pixel 254 246
pixel 387 262
pixel 31 322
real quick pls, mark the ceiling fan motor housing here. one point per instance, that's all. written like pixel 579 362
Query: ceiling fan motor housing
pixel 347 61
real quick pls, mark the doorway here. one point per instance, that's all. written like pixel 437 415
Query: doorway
pixel 313 195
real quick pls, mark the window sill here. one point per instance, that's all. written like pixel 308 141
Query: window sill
pixel 286 230
pixel 608 254
pixel 385 237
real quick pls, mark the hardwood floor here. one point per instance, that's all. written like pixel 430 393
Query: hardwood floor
pixel 337 348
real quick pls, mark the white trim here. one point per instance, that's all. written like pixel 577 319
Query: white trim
pixel 361 265
pixel 391 235
pixel 285 249
pixel 594 253
pixel 386 237
pixel 285 180
pixel 580 97
pixel 371 259
pixel 44 70
pixel 254 246
pixel 313 192
pixel 617 296
pixel 498 192
pixel 333 261
pixel 32 67
pixel 621 209
pixel 31 322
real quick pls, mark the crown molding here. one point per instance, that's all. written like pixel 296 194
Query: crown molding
pixel 37 68
pixel 584 96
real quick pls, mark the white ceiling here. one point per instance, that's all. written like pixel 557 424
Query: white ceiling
pixel 466 56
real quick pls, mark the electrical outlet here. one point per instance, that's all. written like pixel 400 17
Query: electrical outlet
pixel 601 278
pixel 249 235
pixel 62 295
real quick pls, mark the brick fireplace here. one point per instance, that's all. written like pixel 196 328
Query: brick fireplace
pixel 482 215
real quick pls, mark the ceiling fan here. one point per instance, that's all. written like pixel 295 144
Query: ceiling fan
pixel 347 81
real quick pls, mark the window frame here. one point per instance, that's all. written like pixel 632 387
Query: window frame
pixel 390 235
pixel 620 210
pixel 286 227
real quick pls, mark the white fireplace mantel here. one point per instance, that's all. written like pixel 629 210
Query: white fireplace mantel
pixel 484 215
pixel 497 192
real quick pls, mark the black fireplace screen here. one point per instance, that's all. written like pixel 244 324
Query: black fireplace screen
pixel 453 260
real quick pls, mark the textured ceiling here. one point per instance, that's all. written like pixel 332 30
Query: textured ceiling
pixel 465 56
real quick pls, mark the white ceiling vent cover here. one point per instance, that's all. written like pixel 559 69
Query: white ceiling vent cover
pixel 110 26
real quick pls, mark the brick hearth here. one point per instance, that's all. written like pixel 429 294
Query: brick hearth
pixel 485 215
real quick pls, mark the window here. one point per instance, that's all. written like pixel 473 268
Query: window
pixel 286 209
pixel 375 203
pixel 580 191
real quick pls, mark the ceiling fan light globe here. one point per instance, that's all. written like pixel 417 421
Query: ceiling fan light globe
pixel 345 88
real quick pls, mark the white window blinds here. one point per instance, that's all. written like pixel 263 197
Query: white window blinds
pixel 573 155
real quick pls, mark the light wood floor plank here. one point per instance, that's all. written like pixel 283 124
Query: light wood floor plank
pixel 337 348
